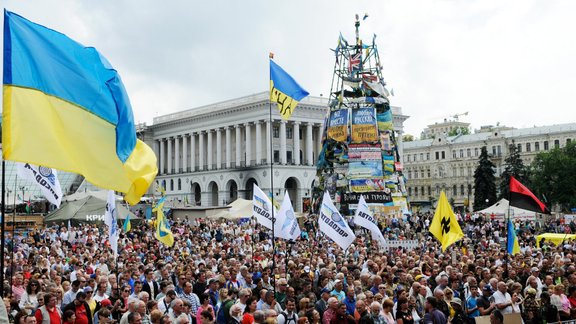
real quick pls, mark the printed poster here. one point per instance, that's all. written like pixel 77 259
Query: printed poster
pixel 338 125
pixel 364 125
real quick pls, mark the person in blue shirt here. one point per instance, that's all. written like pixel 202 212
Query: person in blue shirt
pixel 337 291
pixel 471 307
pixel 350 301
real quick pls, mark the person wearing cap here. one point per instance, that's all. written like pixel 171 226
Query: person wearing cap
pixel 89 300
pixel 459 317
pixel 322 303
pixel 531 312
pixel 337 291
pixel 48 313
pixel 485 305
pixel 212 291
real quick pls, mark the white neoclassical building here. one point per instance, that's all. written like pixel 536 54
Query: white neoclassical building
pixel 211 155
pixel 448 162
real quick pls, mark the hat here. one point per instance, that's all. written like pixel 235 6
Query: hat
pixel 325 290
pixel 418 277
pixel 306 269
pixel 105 303
pixel 87 289
pixel 531 291
pixel 212 280
pixel 534 269
pixel 487 288
pixel 337 281
pixel 456 300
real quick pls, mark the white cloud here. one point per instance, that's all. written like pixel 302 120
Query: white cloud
pixel 503 61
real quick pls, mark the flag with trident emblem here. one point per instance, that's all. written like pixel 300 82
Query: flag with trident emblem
pixel 444 226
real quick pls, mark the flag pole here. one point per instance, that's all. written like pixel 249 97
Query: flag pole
pixel 271 56
pixel 2 235
pixel 506 273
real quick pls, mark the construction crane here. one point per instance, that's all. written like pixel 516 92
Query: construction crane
pixel 447 118
pixel 456 116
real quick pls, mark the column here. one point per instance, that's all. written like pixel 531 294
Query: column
pixel 318 143
pixel 185 153
pixel 309 148
pixel 401 145
pixel 238 145
pixel 283 142
pixel 177 154
pixel 248 144
pixel 218 148
pixel 162 156
pixel 209 149
pixel 269 157
pixel 170 156
pixel 228 147
pixel 296 137
pixel 258 139
pixel 201 150
pixel 192 152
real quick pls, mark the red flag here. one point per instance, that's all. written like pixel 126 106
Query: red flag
pixel 522 197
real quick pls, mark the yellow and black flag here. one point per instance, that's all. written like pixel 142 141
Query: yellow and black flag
pixel 284 90
pixel 444 226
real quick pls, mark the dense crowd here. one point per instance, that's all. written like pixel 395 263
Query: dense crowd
pixel 222 271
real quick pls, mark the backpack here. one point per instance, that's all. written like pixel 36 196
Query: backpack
pixel 286 319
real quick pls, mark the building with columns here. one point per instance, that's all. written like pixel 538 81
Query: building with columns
pixel 211 155
pixel 448 163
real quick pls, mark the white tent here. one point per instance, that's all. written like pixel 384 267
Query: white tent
pixel 500 211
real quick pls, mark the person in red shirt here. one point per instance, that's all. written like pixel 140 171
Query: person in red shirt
pixel 49 310
pixel 80 309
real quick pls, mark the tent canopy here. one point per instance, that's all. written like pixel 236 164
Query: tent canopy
pixel 86 207
pixel 500 210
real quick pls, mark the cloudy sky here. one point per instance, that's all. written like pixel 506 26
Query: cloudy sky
pixel 512 62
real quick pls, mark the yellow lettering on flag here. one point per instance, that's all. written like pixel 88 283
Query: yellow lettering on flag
pixel 444 226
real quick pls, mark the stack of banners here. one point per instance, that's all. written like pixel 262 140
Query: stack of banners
pixel 262 208
pixel 286 225
pixel 110 219
pixel 364 128
pixel 365 218
pixel 43 177
pixel 365 168
pixel 338 125
pixel 333 224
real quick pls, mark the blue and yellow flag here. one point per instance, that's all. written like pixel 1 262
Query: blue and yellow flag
pixel 444 226
pixel 127 226
pixel 513 246
pixel 284 90
pixel 163 232
pixel 65 107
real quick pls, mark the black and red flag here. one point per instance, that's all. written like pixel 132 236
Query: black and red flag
pixel 522 197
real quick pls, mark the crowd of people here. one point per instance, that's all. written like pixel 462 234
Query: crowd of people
pixel 222 271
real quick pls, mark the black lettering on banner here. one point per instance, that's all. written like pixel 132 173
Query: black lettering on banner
pixel 333 225
pixel 370 197
pixel 445 223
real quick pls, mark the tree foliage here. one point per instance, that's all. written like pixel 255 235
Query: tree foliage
pixel 553 176
pixel 484 182
pixel 513 166
pixel 408 138
pixel 459 131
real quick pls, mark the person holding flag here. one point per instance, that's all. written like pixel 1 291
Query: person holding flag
pixel 444 226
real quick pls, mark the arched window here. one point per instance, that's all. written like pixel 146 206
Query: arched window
pixel 171 184
pixel 179 184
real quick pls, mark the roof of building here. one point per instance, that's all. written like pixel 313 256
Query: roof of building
pixel 511 133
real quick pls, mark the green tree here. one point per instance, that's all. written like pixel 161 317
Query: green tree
pixel 408 138
pixel 484 182
pixel 513 166
pixel 553 176
pixel 459 131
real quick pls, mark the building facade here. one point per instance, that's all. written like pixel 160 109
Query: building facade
pixel 211 155
pixel 448 162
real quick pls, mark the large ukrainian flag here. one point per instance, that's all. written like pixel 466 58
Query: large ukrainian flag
pixel 65 107
pixel 284 90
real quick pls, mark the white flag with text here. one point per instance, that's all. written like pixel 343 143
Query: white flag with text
pixel 286 225
pixel 111 219
pixel 364 218
pixel 43 177
pixel 333 224
pixel 262 208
